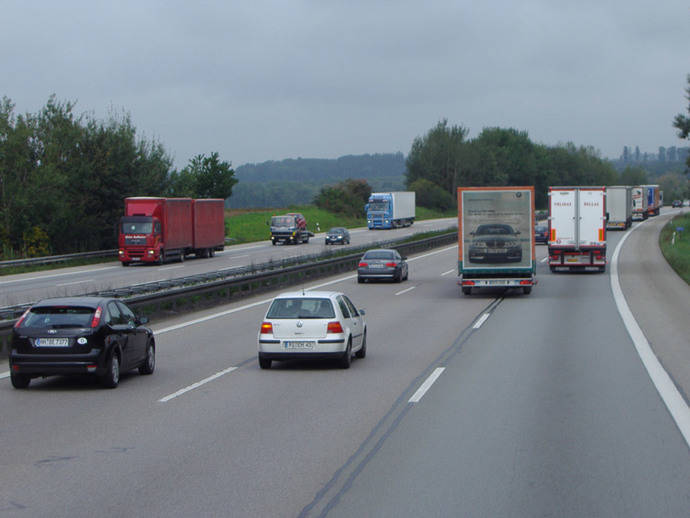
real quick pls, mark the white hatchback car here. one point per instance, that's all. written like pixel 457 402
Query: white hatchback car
pixel 312 324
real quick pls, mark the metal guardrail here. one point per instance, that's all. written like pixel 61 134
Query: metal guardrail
pixel 50 259
pixel 207 292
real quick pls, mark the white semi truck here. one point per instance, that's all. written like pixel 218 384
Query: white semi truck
pixel 619 206
pixel 577 228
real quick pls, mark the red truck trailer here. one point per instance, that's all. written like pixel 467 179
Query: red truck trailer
pixel 156 229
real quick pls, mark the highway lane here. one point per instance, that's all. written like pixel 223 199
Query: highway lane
pixel 29 287
pixel 268 443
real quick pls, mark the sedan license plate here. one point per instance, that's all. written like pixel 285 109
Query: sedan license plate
pixel 52 342
pixel 376 266
pixel 294 345
pixel 497 250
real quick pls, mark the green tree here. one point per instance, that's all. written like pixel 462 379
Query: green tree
pixel 633 175
pixel 204 177
pixel 347 197
pixel 682 123
pixel 430 195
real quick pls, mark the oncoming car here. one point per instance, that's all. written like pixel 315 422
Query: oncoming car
pixel 338 235
pixel 382 263
pixel 312 324
pixel 494 243
pixel 80 335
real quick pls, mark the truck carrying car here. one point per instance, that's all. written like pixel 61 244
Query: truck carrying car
pixel 619 206
pixel 290 228
pixel 496 238
pixel 390 209
pixel 653 200
pixel 639 203
pixel 155 229
pixel 577 228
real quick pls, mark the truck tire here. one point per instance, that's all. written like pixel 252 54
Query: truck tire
pixel 161 258
pixel 306 240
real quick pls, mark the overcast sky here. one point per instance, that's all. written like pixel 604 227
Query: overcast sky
pixel 267 80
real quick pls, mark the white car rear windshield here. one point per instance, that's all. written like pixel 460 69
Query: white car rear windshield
pixel 301 308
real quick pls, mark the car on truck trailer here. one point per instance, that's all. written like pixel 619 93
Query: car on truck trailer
pixel 619 206
pixel 496 238
pixel 639 203
pixel 577 228
pixel 390 209
pixel 154 229
pixel 290 228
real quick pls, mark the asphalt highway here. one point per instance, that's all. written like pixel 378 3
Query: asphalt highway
pixel 31 287
pixel 496 404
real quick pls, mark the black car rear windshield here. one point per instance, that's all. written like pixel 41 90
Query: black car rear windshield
pixel 53 317
pixel 301 308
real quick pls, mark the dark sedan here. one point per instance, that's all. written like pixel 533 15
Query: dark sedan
pixel 80 335
pixel 495 243
pixel 339 235
pixel 382 264
pixel 541 234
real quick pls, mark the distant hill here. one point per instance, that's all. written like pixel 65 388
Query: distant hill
pixel 295 181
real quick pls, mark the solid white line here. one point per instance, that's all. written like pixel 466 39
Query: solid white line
pixel 57 275
pixel 166 268
pixel 677 407
pixel 73 282
pixel 196 385
pixel 4 375
pixel 481 320
pixel 406 290
pixel 448 272
pixel 426 385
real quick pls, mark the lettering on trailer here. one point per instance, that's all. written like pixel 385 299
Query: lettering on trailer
pixel 563 204
pixel 591 204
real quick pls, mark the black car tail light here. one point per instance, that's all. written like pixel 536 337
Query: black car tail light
pixel 21 319
pixel 97 317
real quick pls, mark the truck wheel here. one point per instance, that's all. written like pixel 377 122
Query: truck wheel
pixel 161 258
pixel 181 259
pixel 306 240
pixel 527 290
pixel 467 291
pixel 602 269
pixel 273 242
pixel 211 252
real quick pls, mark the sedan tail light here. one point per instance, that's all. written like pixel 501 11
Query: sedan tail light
pixel 97 317
pixel 266 328
pixel 391 264
pixel 362 265
pixel 334 327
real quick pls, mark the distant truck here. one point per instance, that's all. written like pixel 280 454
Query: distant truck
pixel 154 230
pixel 577 228
pixel 496 238
pixel 390 209
pixel 653 199
pixel 619 206
pixel 290 228
pixel 639 203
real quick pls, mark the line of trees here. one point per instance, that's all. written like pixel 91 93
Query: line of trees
pixel 444 158
pixel 63 178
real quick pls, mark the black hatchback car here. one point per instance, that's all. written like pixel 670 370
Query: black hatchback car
pixel 80 335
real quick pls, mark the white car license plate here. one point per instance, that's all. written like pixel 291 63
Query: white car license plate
pixel 52 342
pixel 293 345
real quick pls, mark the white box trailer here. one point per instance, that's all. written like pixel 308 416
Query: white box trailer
pixel 577 228
pixel 619 206
pixel 639 203
pixel 390 209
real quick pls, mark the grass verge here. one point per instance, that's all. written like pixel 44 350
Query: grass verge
pixel 678 253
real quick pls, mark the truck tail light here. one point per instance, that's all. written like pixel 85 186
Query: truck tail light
pixel 334 327
pixel 21 319
pixel 97 317
pixel 266 328
pixel 362 264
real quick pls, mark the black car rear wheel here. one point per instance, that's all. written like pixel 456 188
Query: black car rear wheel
pixel 112 372
pixel 149 364
pixel 20 381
